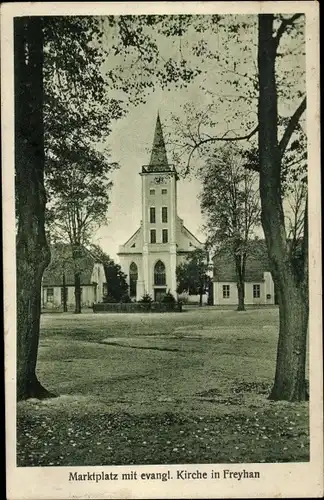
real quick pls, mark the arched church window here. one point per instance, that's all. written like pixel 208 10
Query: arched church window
pixel 159 273
pixel 133 277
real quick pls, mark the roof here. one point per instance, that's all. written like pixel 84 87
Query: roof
pixel 134 234
pixel 256 264
pixel 191 234
pixel 61 261
pixel 159 160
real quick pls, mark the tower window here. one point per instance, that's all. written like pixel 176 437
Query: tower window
pixel 164 191
pixel 164 214
pixel 159 273
pixel 152 191
pixel 152 215
pixel 164 236
pixel 153 235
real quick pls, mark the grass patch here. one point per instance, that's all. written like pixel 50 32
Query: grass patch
pixel 160 388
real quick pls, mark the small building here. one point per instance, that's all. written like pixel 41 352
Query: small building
pixel 259 287
pixel 150 256
pixel 61 270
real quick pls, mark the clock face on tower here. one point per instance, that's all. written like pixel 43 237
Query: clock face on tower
pixel 160 180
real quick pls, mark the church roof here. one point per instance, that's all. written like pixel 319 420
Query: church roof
pixel 159 160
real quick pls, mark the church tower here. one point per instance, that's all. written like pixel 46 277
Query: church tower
pixel 150 257
pixel 159 216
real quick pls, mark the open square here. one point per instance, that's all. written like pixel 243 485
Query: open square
pixel 160 388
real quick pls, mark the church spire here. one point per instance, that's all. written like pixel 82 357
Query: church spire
pixel 159 160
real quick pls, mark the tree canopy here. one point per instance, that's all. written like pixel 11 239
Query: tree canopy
pixel 230 203
pixel 117 287
pixel 192 274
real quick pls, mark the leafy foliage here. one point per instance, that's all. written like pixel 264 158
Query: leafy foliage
pixel 146 299
pixel 192 275
pixel 116 280
pixel 168 298
pixel 231 205
pixel 229 200
pixel 229 110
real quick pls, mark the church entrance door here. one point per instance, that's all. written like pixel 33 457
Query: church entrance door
pixel 159 294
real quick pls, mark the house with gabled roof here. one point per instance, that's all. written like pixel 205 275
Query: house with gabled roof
pixel 58 278
pixel 150 256
pixel 259 286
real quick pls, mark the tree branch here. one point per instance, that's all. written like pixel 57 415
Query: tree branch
pixel 283 26
pixel 217 139
pixel 291 127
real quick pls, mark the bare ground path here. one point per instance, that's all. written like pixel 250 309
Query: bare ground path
pixel 160 388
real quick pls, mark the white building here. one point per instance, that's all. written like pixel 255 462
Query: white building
pixel 150 256
pixel 61 271
pixel 259 287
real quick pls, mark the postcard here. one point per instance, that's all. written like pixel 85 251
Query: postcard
pixel 162 250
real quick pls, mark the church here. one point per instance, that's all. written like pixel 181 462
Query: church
pixel 150 256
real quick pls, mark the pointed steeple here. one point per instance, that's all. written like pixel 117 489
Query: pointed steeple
pixel 159 160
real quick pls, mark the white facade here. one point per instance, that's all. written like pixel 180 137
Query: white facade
pixel 150 257
pixel 257 292
pixel 91 293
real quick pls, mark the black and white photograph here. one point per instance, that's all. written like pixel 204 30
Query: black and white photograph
pixel 162 250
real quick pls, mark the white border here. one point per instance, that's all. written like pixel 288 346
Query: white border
pixel 277 480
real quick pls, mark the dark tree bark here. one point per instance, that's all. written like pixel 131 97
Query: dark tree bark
pixel 64 293
pixel 32 251
pixel 240 292
pixel 77 293
pixel 76 254
pixel 240 274
pixel 291 287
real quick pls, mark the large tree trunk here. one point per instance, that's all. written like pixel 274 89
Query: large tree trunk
pixel 64 293
pixel 32 250
pixel 240 293
pixel 291 355
pixel 293 299
pixel 77 254
pixel 77 293
pixel 240 275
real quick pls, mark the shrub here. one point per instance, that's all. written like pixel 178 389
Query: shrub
pixel 183 298
pixel 168 298
pixel 146 299
pixel 109 299
pixel 125 299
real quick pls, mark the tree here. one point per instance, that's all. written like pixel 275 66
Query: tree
pixel 32 249
pixel 80 110
pixel 61 99
pixel 291 280
pixel 192 274
pixel 230 203
pixel 270 89
pixel 116 280
pixel 79 200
